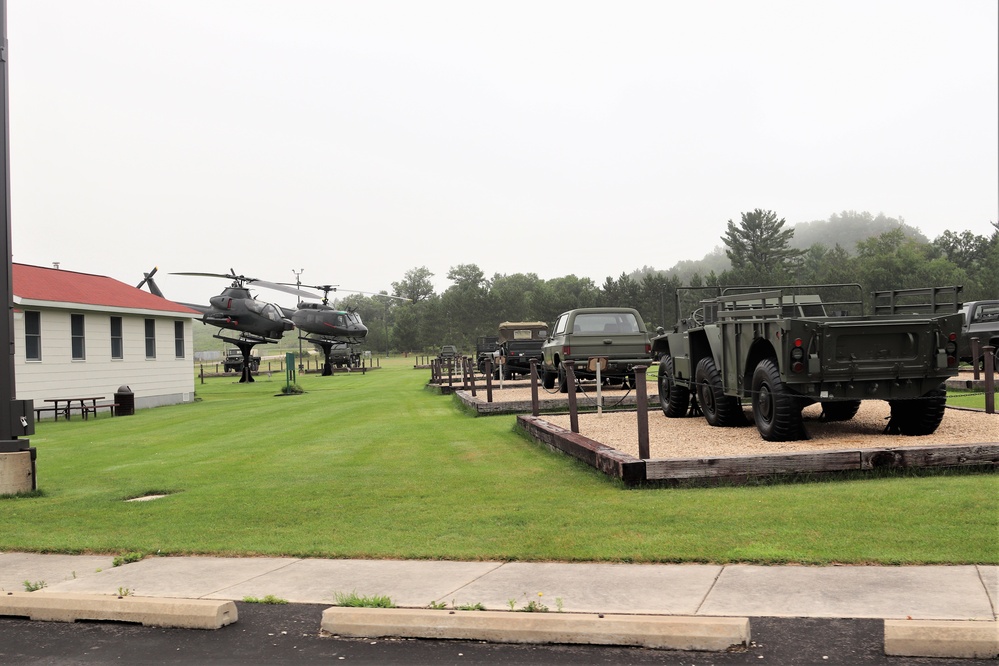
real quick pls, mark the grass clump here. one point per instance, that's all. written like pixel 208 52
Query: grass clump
pixel 127 558
pixel 354 600
pixel 30 586
pixel 268 599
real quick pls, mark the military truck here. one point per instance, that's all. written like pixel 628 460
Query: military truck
pixel 615 334
pixel 234 361
pixel 980 319
pixel 519 342
pixel 485 349
pixel 782 348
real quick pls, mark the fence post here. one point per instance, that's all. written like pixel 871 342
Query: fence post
pixel 990 379
pixel 535 411
pixel 570 380
pixel 471 376
pixel 489 380
pixel 974 357
pixel 450 375
pixel 642 404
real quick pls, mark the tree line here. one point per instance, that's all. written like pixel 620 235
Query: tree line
pixel 759 249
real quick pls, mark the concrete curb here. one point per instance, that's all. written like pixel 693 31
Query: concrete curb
pixel 967 639
pixel 651 631
pixel 148 611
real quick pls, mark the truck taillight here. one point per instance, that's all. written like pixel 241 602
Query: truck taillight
pixel 797 357
pixel 951 349
pixel 566 350
pixel 648 348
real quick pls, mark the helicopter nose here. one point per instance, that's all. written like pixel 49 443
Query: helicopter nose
pixel 288 325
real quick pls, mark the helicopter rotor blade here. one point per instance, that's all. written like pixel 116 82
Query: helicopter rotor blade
pixel 280 287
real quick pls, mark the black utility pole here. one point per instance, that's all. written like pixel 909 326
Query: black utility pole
pixel 16 416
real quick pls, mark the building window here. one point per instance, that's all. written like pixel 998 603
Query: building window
pixel 150 338
pixel 178 338
pixel 33 336
pixel 117 349
pixel 76 331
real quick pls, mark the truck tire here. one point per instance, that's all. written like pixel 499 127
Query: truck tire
pixel 840 410
pixel 917 416
pixel 719 410
pixel 776 411
pixel 673 399
pixel 548 379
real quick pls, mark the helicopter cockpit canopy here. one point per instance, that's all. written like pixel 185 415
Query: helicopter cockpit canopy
pixel 268 310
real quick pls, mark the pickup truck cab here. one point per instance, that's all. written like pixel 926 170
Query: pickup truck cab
pixel 981 320
pixel 616 334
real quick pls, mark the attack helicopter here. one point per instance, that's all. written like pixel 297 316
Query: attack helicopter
pixel 236 310
pixel 326 326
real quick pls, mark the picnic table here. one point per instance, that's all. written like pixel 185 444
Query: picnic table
pixel 66 406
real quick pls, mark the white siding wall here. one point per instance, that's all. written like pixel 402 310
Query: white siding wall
pixel 160 381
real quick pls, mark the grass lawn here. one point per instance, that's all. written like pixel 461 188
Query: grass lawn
pixel 375 466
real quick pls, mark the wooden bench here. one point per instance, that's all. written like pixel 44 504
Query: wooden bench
pixel 110 406
pixel 39 410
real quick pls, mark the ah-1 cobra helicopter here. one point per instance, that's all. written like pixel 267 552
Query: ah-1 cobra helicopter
pixel 236 310
pixel 326 326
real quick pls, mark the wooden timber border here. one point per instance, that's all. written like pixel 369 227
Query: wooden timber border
pixel 587 403
pixel 633 471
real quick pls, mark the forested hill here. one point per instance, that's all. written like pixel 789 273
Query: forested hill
pixel 845 229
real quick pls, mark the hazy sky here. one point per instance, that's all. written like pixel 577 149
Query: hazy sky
pixel 358 140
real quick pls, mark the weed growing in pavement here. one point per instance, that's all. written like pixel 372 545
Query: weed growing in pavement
pixel 532 605
pixel 34 587
pixel 354 600
pixel 437 605
pixel 269 599
pixel 127 558
pixel 471 607
pixel 123 592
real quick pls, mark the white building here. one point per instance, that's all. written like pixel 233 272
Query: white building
pixel 82 335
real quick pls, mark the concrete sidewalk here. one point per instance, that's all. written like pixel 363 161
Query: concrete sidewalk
pixel 917 592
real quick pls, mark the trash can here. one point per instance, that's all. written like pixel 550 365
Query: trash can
pixel 125 400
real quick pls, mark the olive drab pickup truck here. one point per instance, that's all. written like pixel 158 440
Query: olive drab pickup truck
pixel 618 335
pixel 780 349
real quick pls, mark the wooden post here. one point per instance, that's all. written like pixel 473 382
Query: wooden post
pixel 642 404
pixel 202 376
pixel 990 379
pixel 450 375
pixel 974 357
pixel 471 377
pixel 489 380
pixel 570 380
pixel 535 411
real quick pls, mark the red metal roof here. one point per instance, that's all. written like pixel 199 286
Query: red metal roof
pixel 49 284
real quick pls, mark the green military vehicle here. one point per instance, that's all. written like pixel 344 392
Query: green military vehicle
pixel 617 335
pixel 783 348
pixel 980 319
pixel 519 342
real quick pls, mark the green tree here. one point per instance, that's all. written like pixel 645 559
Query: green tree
pixel 415 285
pixel 759 249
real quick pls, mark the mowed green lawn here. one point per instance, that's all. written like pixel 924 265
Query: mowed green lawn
pixel 374 466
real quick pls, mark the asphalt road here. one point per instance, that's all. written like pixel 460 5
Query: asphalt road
pixel 289 634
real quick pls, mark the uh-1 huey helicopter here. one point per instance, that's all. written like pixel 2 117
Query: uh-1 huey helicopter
pixel 236 310
pixel 326 326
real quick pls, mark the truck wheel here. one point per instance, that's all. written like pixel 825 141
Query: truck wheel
pixel 776 411
pixel 918 416
pixel 840 410
pixel 548 379
pixel 673 399
pixel 719 409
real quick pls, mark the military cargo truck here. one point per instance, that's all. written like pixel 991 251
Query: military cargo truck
pixel 485 349
pixel 780 349
pixel 519 342
pixel 980 319
pixel 615 334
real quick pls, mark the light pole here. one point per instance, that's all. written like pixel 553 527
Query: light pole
pixel 298 285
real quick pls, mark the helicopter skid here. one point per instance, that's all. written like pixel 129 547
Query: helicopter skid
pixel 245 338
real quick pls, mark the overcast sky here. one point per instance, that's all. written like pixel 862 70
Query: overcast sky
pixel 358 140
